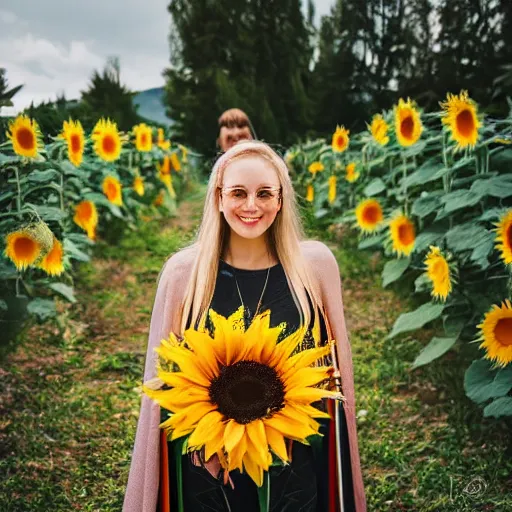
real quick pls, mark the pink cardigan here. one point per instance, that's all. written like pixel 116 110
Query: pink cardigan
pixel 142 490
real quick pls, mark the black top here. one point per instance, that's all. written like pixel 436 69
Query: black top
pixel 277 297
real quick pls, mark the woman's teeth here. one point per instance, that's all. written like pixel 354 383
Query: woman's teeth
pixel 250 220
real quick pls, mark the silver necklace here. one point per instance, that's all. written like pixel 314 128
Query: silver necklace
pixel 261 296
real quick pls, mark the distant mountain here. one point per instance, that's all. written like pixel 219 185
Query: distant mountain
pixel 150 105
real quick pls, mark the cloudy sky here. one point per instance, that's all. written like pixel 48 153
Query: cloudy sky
pixel 53 46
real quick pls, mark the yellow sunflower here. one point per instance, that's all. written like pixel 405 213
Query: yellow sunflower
pixel 496 333
pixel 310 193
pixel 107 141
pixel 331 196
pixel 504 237
pixel 138 185
pixel 350 172
pixel 112 189
pixel 340 139
pixel 316 167
pixel 86 216
pixel 25 136
pixel 175 162
pixel 408 125
pixel 73 134
pixel 165 167
pixel 438 271
pixel 159 199
pixel 460 115
pixel 53 263
pixel 403 235
pixel 28 245
pixel 369 215
pixel 143 137
pixel 161 142
pixel 241 393
pixel 166 179
pixel 379 129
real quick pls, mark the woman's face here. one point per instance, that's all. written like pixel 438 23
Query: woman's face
pixel 230 135
pixel 250 196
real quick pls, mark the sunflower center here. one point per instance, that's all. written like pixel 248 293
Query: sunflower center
pixel 407 127
pixel 371 214
pixel 465 123
pixel 341 141
pixel 111 190
pixel 503 331
pixel 247 391
pixel 109 144
pixel 25 248
pixel 508 237
pixel 85 211
pixel 144 139
pixel 75 143
pixel 406 234
pixel 25 138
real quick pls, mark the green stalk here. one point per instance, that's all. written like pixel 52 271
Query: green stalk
pixel 18 198
pixel 264 493
pixel 404 184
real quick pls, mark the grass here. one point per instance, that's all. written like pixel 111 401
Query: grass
pixel 70 391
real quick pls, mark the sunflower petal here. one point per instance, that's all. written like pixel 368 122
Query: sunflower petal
pixel 276 442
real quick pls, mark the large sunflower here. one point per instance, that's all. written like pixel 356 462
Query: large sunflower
pixel 408 125
pixel 241 393
pixel 107 141
pixel 438 272
pixel 112 189
pixel 143 137
pixel 331 196
pixel 73 134
pixel 460 115
pixel 369 215
pixel 25 136
pixel 86 216
pixel 53 263
pixel 504 237
pixel 403 235
pixel 340 139
pixel 496 333
pixel 350 172
pixel 28 245
pixel 379 129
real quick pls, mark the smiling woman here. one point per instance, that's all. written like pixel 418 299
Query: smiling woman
pixel 245 312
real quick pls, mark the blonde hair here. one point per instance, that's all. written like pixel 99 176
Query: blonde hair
pixel 284 237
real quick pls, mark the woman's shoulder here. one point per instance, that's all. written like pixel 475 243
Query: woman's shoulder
pixel 317 252
pixel 179 263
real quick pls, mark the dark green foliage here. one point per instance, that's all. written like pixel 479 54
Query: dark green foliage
pixel 253 55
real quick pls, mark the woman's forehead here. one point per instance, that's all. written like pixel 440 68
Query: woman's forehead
pixel 250 171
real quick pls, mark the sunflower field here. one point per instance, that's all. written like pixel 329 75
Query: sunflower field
pixel 433 192
pixel 57 199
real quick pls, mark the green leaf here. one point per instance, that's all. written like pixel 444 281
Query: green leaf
pixel 65 290
pixel 458 199
pixel 322 212
pixel 484 247
pixel 423 206
pixel 499 407
pixel 422 283
pixel 49 213
pixel 6 160
pixel 393 270
pixel 74 252
pixel 466 236
pixel 416 319
pixel 42 308
pixel 429 171
pixel 436 348
pixel 492 214
pixel 432 236
pixel 375 187
pixel 499 186
pixel 481 382
pixel 372 241
pixel 6 195
pixel 43 176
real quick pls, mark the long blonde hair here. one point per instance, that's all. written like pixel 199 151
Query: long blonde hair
pixel 284 237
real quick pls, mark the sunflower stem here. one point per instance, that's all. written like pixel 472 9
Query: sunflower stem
pixel 18 197
pixel 404 184
pixel 264 493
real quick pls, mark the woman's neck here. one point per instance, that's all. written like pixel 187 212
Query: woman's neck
pixel 248 254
